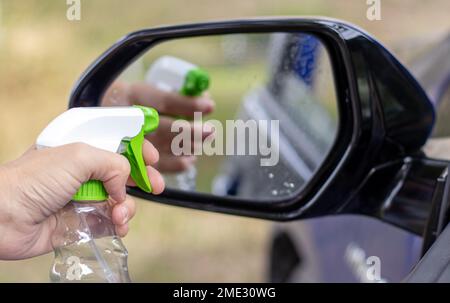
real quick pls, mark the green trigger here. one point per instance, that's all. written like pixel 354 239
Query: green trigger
pixel 133 149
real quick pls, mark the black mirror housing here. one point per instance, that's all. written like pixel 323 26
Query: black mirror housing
pixel 385 116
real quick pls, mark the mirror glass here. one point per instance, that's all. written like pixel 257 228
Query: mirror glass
pixel 266 111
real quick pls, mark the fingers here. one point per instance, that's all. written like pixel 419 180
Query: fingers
pixel 169 103
pixel 151 157
pixel 174 164
pixel 123 212
pixel 163 136
pixel 96 164
pixel 156 180
pixel 122 230
pixel 150 153
pixel 113 170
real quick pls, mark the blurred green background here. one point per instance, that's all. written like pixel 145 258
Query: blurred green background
pixel 42 54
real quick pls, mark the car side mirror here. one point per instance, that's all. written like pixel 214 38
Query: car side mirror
pixel 349 115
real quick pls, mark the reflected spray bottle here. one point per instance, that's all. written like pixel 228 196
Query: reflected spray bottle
pixel 85 244
pixel 175 75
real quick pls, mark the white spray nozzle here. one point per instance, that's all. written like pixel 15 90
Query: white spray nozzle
pixel 101 127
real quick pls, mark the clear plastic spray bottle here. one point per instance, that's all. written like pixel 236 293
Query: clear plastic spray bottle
pixel 85 244
pixel 175 75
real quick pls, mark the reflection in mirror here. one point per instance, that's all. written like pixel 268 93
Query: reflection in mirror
pixel 272 123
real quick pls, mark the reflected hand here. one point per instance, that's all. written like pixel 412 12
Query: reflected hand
pixel 170 104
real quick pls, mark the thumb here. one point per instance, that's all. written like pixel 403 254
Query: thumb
pixel 96 164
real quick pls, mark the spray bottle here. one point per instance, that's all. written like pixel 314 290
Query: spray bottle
pixel 85 244
pixel 175 75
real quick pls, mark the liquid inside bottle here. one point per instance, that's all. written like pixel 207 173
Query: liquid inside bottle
pixel 86 246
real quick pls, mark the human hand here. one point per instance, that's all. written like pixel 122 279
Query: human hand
pixel 169 105
pixel 41 182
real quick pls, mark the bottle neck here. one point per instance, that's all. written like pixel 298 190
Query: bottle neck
pixel 89 208
pixel 89 202
pixel 93 215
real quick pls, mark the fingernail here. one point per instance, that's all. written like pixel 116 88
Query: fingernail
pixel 124 212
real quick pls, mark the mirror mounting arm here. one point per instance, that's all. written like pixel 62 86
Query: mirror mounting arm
pixel 409 193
